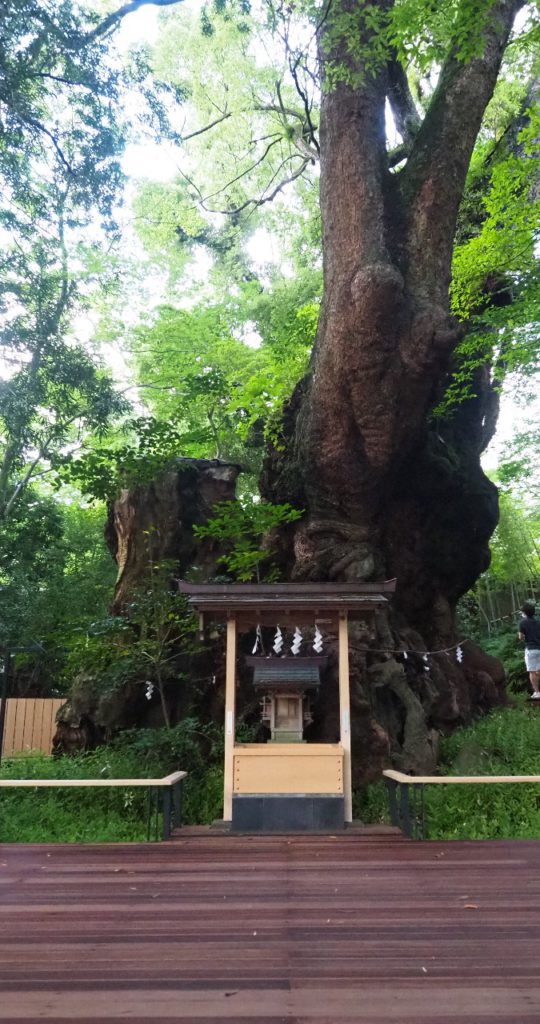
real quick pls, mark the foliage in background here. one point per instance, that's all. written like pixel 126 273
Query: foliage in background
pixel 111 815
pixel 137 452
pixel 62 139
pixel 242 528
pixel 150 646
pixel 194 372
pixel 506 742
pixel 491 612
pixel 515 551
pixel 519 471
pixel 207 392
pixel 221 372
pixel 495 276
pixel 247 130
pixel 503 644
pixel 56 576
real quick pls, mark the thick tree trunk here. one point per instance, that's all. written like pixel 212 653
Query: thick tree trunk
pixel 387 493
pixel 153 524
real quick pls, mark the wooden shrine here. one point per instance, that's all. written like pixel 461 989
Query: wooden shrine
pixel 287 784
pixel 286 684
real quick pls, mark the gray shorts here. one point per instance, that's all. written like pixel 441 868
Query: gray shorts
pixel 532 660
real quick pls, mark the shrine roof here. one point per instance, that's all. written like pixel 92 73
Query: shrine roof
pixel 280 671
pixel 232 597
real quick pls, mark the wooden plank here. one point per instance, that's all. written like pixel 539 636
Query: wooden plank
pixel 291 749
pixel 327 621
pixel 345 712
pixel 40 741
pixel 49 726
pixel 18 737
pixel 271 930
pixel 28 731
pixel 230 713
pixel 291 771
pixel 8 746
pixel 456 780
pixel 58 703
pixel 30 724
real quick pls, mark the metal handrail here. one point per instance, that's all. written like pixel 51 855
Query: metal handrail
pixel 412 820
pixel 164 795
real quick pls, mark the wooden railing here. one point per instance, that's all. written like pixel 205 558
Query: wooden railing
pixel 164 796
pixel 409 813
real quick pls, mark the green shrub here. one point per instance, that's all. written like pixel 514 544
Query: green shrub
pixel 506 742
pixel 370 805
pixel 75 815
pixel 505 645
pixel 107 815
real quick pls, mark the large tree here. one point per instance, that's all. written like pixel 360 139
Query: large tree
pixel 387 490
pixel 389 486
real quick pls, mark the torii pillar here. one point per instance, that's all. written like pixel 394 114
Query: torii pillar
pixel 230 717
pixel 345 712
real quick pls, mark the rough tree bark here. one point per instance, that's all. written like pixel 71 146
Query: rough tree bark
pixel 150 525
pixel 387 493
pixel 153 524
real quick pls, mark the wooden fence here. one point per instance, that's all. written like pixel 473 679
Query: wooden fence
pixel 30 724
pixel 500 604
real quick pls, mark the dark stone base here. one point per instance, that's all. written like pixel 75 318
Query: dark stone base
pixel 287 813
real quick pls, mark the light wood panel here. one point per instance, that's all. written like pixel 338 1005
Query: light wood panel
pixel 9 726
pixel 18 733
pixel 43 720
pixel 30 724
pixel 288 768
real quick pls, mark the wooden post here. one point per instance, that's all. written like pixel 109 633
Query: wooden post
pixel 230 701
pixel 345 712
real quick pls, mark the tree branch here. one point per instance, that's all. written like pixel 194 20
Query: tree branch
pixel 20 486
pixel 395 156
pixel 243 173
pixel 59 78
pixel 310 127
pixel 406 116
pixel 113 19
pixel 353 150
pixel 207 127
pixel 34 123
pixel 307 127
pixel 434 177
pixel 272 195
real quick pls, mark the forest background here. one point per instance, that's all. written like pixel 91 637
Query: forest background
pixel 161 281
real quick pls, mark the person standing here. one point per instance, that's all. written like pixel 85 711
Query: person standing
pixel 529 632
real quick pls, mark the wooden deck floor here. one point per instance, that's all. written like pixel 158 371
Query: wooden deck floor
pixel 311 930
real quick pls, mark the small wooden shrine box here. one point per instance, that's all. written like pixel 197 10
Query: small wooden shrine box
pixel 286 684
pixel 287 784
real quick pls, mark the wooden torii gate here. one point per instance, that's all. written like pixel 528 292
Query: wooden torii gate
pixel 287 785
